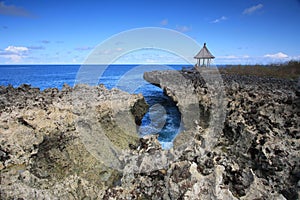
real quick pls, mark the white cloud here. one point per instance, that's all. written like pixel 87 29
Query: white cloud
pixel 14 54
pixel 246 59
pixel 219 19
pixel 249 11
pixel 13 10
pixel 279 55
pixel 16 50
pixel 15 58
pixel 183 28
pixel 164 22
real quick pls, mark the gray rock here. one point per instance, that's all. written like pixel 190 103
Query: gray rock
pixel 241 141
pixel 45 150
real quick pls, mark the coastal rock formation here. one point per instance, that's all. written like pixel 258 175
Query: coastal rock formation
pixel 257 153
pixel 50 145
pixel 241 141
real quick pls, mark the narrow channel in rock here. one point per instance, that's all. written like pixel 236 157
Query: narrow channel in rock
pixel 163 117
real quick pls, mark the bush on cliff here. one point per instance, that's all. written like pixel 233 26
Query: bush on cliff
pixel 289 70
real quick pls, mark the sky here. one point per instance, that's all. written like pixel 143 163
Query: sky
pixel 66 32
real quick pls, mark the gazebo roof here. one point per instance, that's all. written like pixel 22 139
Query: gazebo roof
pixel 204 53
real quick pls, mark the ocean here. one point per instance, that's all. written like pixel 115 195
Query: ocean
pixel 163 117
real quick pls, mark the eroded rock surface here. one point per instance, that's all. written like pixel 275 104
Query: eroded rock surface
pixel 241 141
pixel 256 155
pixel 64 144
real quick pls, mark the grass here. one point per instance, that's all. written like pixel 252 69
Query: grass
pixel 288 70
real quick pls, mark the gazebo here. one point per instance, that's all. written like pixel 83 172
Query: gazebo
pixel 204 57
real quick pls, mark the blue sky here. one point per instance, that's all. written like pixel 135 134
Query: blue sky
pixel 236 31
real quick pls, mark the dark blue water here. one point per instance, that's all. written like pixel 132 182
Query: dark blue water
pixel 163 117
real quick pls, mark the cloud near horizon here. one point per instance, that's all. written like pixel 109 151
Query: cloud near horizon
pixel 13 10
pixel 249 11
pixel 16 50
pixel 14 53
pixel 246 59
pixel 279 55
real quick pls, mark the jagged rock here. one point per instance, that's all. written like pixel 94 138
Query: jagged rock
pixel 44 154
pixel 241 141
pixel 258 143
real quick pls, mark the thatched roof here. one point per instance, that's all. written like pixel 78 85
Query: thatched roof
pixel 204 53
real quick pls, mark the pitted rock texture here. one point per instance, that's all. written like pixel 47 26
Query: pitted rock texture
pixel 257 152
pixel 252 154
pixel 43 153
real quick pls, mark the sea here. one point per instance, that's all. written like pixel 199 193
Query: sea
pixel 163 117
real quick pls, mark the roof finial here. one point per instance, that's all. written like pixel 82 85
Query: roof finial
pixel 205 44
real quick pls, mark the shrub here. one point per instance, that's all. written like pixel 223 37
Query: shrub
pixel 289 70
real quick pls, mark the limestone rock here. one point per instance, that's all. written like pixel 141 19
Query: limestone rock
pixel 254 152
pixel 44 151
pixel 241 141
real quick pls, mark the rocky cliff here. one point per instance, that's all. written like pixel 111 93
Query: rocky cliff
pixel 256 153
pixel 241 141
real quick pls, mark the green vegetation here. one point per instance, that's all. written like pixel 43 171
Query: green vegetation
pixel 289 70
